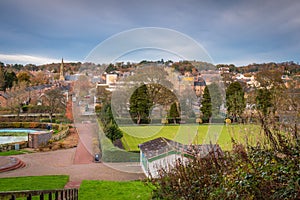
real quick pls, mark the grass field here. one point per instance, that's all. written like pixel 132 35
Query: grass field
pixel 191 134
pixel 88 189
pixel 14 152
pixel 33 183
pixel 114 190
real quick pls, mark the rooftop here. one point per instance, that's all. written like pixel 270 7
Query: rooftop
pixel 162 145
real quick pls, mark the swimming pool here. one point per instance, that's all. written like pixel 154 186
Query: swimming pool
pixel 11 139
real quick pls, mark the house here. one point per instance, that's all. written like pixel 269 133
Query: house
pixel 199 85
pixel 162 153
pixel 3 99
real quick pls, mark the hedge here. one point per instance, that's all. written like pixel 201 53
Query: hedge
pixel 63 129
pixel 110 153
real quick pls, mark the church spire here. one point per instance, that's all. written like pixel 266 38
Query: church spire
pixel 61 72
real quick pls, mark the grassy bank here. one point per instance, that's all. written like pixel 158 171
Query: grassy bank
pixel 89 189
pixel 114 190
pixel 191 134
pixel 33 183
pixel 14 152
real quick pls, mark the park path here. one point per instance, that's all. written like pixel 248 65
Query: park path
pixel 76 162
pixel 60 162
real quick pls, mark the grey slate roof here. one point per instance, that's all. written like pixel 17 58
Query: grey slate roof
pixel 163 145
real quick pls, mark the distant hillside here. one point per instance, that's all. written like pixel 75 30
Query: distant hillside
pixel 290 67
pixel 53 67
pixel 286 67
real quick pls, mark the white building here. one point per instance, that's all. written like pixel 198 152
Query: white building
pixel 163 153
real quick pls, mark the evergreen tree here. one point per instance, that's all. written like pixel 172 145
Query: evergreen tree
pixel 264 100
pixel 216 98
pixel 2 79
pixel 106 115
pixel 113 132
pixel 10 79
pixel 206 106
pixel 174 112
pixel 140 105
pixel 235 101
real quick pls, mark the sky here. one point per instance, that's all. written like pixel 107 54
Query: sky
pixel 237 32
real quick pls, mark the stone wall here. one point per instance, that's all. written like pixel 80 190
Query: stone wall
pixel 39 139
pixel 62 128
pixel 62 134
pixel 11 146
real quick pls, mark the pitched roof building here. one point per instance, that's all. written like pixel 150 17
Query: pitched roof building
pixel 162 153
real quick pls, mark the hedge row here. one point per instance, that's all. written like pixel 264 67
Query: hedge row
pixel 110 153
pixel 27 125
pixel 128 121
pixel 36 125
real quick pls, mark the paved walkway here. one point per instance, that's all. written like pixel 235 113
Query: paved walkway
pixel 76 162
pixel 60 162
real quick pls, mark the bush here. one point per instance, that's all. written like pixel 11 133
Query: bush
pixel 44 120
pixel 228 121
pixel 199 120
pixel 245 173
pixel 164 121
pixel 113 132
pixel 110 153
pixel 38 109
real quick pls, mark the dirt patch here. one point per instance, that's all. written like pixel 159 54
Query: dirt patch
pixel 118 143
pixel 70 141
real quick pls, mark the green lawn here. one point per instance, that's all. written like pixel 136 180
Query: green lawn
pixel 33 183
pixel 114 190
pixel 14 152
pixel 88 189
pixel 187 134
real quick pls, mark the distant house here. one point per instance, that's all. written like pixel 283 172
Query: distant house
pixel 199 85
pixel 3 99
pixel 162 153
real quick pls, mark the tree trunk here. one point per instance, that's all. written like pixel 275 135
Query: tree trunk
pixel 138 121
pixel 267 132
pixel 50 117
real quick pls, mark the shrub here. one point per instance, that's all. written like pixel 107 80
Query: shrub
pixel 228 121
pixel 164 121
pixel 245 173
pixel 113 132
pixel 110 153
pixel 199 120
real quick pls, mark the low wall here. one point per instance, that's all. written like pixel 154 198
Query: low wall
pixel 28 125
pixel 11 146
pixel 39 139
pixel 62 134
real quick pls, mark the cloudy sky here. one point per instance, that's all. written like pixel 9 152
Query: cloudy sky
pixel 238 32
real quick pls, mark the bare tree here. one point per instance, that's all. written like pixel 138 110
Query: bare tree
pixel 278 109
pixel 55 101
pixel 17 98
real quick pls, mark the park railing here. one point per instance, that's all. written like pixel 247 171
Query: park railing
pixel 63 194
